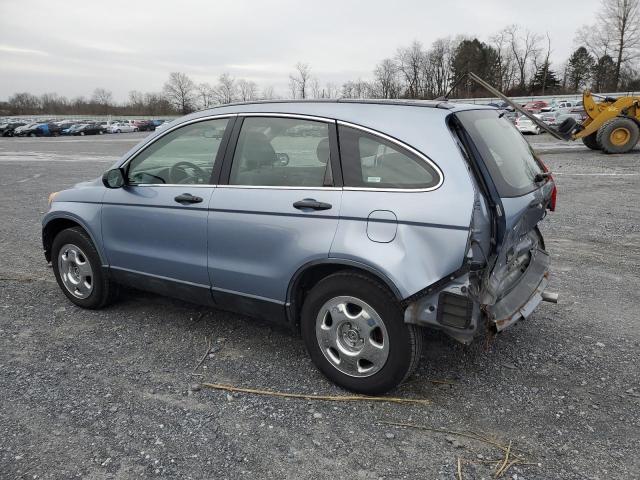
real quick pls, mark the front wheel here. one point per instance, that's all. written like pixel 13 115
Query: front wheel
pixel 354 331
pixel 618 135
pixel 78 271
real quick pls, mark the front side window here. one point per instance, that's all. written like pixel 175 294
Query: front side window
pixel 369 161
pixel 184 156
pixel 278 152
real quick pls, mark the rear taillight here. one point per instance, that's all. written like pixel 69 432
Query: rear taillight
pixel 554 192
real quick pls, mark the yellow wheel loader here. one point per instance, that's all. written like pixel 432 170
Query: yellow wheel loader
pixel 612 124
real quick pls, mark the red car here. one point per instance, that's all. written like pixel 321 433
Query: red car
pixel 536 106
pixel 144 125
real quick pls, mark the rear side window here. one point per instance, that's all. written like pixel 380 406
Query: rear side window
pixel 509 158
pixel 369 161
pixel 281 152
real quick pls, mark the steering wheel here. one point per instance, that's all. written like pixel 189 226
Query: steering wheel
pixel 178 173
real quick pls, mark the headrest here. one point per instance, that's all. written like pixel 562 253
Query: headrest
pixel 322 150
pixel 257 150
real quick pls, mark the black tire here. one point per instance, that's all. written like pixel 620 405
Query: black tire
pixel 103 290
pixel 591 141
pixel 606 131
pixel 404 340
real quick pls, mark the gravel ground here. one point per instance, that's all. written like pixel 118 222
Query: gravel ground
pixel 108 394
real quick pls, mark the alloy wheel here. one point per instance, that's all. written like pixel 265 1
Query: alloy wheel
pixel 352 336
pixel 75 271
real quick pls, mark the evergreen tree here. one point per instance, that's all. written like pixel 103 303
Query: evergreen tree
pixel 604 79
pixel 545 80
pixel 579 69
pixel 477 57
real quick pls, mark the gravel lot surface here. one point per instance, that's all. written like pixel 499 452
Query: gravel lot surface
pixel 109 394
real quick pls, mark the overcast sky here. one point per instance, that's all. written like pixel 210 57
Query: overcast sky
pixel 71 47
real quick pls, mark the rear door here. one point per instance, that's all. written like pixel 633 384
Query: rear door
pixel 275 210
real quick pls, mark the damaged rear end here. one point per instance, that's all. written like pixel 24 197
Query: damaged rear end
pixel 507 267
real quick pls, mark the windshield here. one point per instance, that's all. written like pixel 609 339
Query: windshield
pixel 508 156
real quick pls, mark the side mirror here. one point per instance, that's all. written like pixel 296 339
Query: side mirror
pixel 113 178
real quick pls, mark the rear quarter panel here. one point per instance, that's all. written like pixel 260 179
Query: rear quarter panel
pixel 432 226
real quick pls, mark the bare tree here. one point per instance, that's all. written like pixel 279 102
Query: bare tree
pixel 179 90
pixel 524 47
pixel 622 19
pixel 438 69
pixel 506 65
pixel 268 93
pixel 226 91
pixel 205 95
pixel 299 81
pixel 102 96
pixel 247 89
pixel 545 65
pixel 410 61
pixel 386 79
pixel 316 91
pixel 332 90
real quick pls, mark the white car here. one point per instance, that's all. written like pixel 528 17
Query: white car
pixel 525 125
pixel 122 128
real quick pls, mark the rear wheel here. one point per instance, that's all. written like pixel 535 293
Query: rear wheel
pixel 78 270
pixel 618 135
pixel 591 141
pixel 354 331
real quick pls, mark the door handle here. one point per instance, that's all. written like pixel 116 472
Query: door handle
pixel 311 204
pixel 186 198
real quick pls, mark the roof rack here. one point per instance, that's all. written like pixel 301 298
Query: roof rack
pixel 375 101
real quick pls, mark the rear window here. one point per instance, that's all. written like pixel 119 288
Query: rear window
pixel 508 156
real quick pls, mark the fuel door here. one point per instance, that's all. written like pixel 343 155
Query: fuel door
pixel 382 226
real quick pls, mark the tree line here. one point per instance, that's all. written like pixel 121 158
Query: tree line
pixel 514 60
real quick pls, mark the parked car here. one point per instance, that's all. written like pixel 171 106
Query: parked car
pixel 355 223
pixel 17 132
pixel 157 123
pixel 89 129
pixel 525 125
pixel 71 129
pixel 122 128
pixel 7 129
pixel 41 130
pixel 535 106
pixel 145 125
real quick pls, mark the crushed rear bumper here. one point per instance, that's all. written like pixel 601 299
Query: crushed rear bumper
pixel 465 316
pixel 524 296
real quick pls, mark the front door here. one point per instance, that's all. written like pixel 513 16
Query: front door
pixel 155 227
pixel 278 211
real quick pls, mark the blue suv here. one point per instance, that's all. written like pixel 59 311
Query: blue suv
pixel 357 223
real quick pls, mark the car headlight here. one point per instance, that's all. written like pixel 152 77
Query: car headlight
pixel 52 196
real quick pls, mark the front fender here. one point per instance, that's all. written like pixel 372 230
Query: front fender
pixel 86 215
